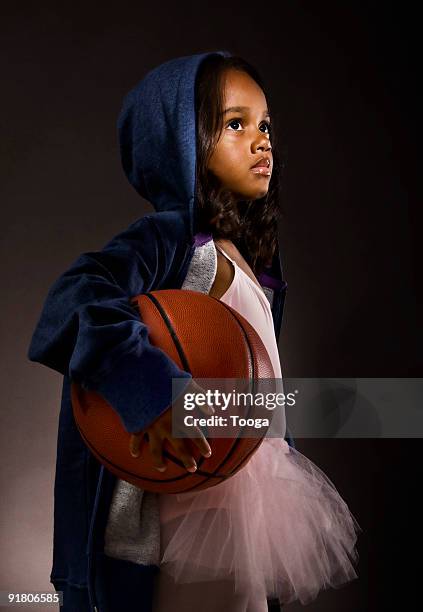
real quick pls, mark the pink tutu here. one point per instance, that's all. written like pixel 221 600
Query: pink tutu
pixel 278 528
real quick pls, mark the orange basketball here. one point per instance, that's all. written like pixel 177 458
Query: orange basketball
pixel 209 339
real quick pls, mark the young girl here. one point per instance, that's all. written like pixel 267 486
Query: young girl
pixel 196 141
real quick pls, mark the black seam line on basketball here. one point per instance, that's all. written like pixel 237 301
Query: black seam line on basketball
pixel 185 361
pixel 159 307
pixel 172 332
pixel 236 443
pixel 175 478
pixel 201 461
pixel 182 356
pixel 169 456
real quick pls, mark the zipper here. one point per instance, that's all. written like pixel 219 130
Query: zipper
pixel 91 566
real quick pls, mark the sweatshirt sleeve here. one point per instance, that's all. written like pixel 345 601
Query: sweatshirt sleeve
pixel 89 331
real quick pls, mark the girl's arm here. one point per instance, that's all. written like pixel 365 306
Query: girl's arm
pixel 89 331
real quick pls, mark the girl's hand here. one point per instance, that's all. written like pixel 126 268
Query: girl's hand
pixel 162 429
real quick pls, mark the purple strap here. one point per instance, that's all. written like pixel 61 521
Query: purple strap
pixel 270 281
pixel 201 238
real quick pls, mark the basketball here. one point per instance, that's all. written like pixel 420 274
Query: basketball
pixel 207 338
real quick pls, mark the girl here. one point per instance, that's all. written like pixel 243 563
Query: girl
pixel 196 141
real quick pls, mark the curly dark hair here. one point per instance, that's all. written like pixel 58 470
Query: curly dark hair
pixel 251 224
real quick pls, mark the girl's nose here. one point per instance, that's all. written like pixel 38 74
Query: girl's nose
pixel 263 143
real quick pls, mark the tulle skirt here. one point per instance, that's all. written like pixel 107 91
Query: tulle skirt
pixel 276 529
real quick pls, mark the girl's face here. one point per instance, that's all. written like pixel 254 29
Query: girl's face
pixel 244 140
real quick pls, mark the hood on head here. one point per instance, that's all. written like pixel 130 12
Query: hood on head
pixel 157 134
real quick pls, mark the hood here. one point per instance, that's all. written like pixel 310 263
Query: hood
pixel 157 135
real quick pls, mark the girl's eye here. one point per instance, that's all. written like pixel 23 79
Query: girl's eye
pixel 236 121
pixel 268 126
pixel 239 122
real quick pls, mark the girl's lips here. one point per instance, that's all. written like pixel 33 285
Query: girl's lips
pixel 263 170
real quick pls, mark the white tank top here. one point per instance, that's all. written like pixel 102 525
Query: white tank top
pixel 247 298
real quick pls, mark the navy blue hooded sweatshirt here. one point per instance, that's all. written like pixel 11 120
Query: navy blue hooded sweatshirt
pixel 89 332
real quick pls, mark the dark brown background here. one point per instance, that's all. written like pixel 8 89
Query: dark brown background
pixel 342 81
